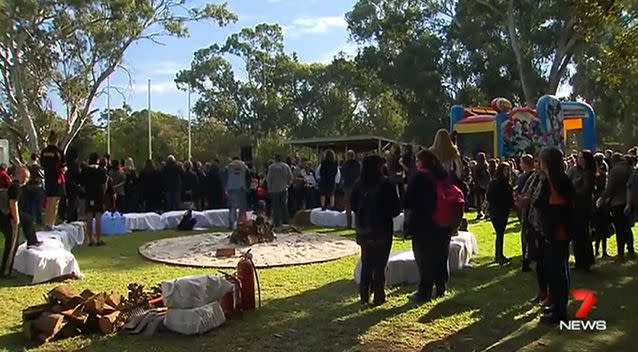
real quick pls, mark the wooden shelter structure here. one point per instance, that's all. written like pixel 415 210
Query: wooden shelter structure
pixel 360 144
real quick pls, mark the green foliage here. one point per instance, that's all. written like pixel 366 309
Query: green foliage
pixel 71 47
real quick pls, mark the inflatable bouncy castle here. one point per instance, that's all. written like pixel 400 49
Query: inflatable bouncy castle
pixel 503 131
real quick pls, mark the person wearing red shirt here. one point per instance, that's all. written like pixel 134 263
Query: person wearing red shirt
pixel 5 179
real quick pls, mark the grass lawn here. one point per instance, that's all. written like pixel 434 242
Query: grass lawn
pixel 315 307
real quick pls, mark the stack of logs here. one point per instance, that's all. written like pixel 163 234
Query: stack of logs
pixel 68 313
pixel 252 231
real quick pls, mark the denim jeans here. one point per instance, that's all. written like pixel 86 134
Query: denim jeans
pixel 279 208
pixel 237 200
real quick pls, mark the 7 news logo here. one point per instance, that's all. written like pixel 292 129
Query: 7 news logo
pixel 589 300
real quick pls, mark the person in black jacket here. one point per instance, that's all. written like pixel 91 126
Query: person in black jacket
pixel 327 174
pixel 189 185
pixel 430 242
pixel 555 204
pixel 93 179
pixel 215 184
pixel 500 198
pixel 72 186
pixel 350 172
pixel 583 177
pixel 376 201
pixel 172 182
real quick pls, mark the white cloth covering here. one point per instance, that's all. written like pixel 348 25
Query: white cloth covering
pixel 53 258
pixel 144 222
pixel 402 267
pixel 331 218
pixel 172 218
pixel 216 217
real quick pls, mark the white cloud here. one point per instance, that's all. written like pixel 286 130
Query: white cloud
pixel 156 87
pixel 163 68
pixel 315 24
pixel 350 49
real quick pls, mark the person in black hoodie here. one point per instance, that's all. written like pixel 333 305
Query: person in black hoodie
pixel 327 174
pixel 350 172
pixel 72 185
pixel 172 182
pixel 199 192
pixel 94 178
pixel 500 198
pixel 555 204
pixel 189 185
pixel 215 184
pixel 430 242
pixel 583 177
pixel 376 201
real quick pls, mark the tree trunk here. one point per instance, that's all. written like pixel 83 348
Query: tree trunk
pixel 518 53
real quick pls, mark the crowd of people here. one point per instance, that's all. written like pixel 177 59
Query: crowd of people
pixel 581 199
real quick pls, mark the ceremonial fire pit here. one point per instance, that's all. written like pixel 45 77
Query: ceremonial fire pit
pixel 252 232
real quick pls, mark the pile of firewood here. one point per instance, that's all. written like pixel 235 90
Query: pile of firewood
pixel 252 231
pixel 68 313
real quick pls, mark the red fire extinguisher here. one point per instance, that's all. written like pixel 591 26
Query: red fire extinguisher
pixel 247 275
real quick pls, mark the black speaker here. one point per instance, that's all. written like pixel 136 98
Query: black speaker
pixel 246 154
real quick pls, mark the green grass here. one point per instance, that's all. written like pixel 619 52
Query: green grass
pixel 315 307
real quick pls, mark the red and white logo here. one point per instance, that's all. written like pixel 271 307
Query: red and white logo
pixel 589 300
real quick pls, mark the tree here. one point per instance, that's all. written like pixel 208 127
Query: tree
pixel 70 47
pixel 404 52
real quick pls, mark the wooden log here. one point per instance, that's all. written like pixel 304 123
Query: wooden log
pixel 66 296
pixel 225 252
pixel 106 323
pixel 75 316
pixel 95 304
pixel 86 294
pixel 115 300
pixel 34 312
pixel 47 326
pixel 68 331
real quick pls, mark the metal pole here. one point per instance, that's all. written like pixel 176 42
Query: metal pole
pixel 190 143
pixel 108 115
pixel 150 136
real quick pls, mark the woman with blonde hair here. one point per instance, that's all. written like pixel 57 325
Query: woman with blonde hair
pixel 447 152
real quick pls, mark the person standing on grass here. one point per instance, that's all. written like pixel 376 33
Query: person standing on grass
pixel 601 218
pixel 500 197
pixel 527 171
pixel 94 178
pixel 583 176
pixel 531 228
pixel 215 186
pixel 555 204
pixel 376 202
pixel 430 241
pixel 328 176
pixel 481 177
pixel 172 184
pixel 279 178
pixel 394 169
pixel 52 159
pixel 189 185
pixel 237 180
pixel 11 218
pixel 72 178
pixel 350 172
pixel 118 177
pixel 615 197
pixel 448 153
pixel 34 190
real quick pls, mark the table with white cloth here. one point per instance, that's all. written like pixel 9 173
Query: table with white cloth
pixel 172 218
pixel 402 267
pixel 332 218
pixel 144 222
pixel 53 258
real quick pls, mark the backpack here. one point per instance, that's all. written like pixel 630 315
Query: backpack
pixel 188 222
pixel 4 201
pixel 450 204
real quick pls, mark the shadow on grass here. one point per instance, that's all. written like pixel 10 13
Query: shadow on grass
pixel 505 321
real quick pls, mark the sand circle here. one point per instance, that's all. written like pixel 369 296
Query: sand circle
pixel 287 249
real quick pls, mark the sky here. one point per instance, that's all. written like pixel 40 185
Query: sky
pixel 314 29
